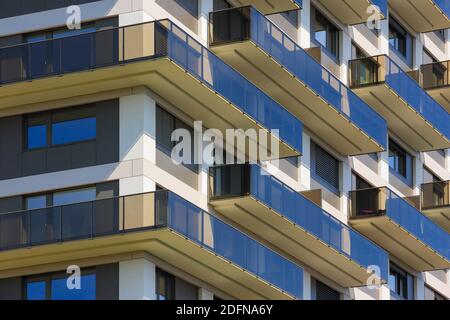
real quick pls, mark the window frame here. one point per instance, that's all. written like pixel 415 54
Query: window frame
pixel 407 57
pixel 48 279
pixel 404 281
pixel 169 284
pixel 409 163
pixel 315 14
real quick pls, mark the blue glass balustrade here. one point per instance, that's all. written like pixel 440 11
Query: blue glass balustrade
pixel 421 227
pixel 382 4
pixel 97 218
pixel 372 202
pixel 413 94
pixel 444 5
pixel 250 24
pixel 98 49
pixel 375 70
pixel 252 180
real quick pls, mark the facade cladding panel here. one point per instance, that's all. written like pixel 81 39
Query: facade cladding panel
pixel 12 8
pixel 19 160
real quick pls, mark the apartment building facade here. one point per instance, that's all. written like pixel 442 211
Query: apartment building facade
pixel 353 95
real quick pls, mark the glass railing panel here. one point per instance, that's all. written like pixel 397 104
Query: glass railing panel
pixel 45 225
pixel 14 230
pixel 382 4
pixel 229 181
pixel 407 216
pixel 444 5
pixel 436 194
pixel 410 91
pixel 208 68
pixel 234 25
pixel 76 221
pixel 315 220
pixel 436 75
pixel 365 203
pixel 233 245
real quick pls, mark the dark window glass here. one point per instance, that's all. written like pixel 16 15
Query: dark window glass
pixel 440 34
pixel 326 34
pixel 400 40
pixel 36 290
pixel 221 4
pixel 400 162
pixel 326 167
pixel 60 291
pixel 359 183
pixel 324 292
pixel 165 286
pixel 401 283
pixel 74 131
pixel 166 123
pixel 37 136
pixel 291 16
pixel 191 6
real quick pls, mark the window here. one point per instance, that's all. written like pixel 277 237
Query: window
pixel 326 34
pixel 190 6
pixel 400 40
pixel 400 162
pixel 74 196
pixel 401 283
pixel 36 202
pixel 37 136
pixel 43 133
pixel 326 167
pixel 428 57
pixel 54 287
pixel 166 123
pixel 291 16
pixel 74 131
pixel 165 286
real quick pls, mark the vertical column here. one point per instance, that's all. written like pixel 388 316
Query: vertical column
pixel 383 164
pixel 204 294
pixel 418 173
pixel 137 280
pixel 205 7
pixel 137 140
pixel 447 154
pixel 346 186
pixel 384 293
pixel 305 24
pixel 346 55
pixel 305 163
pixel 419 287
pixel 306 285
pixel 418 51
pixel 383 39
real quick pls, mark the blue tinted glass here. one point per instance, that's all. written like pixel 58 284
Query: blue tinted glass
pixel 74 196
pixel 37 136
pixel 36 202
pixel 74 130
pixel 36 290
pixel 86 292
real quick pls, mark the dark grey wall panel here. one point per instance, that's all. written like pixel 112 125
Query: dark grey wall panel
pixel 33 162
pixel 107 190
pixel 10 146
pixel 11 288
pixel 83 154
pixel 107 278
pixel 107 131
pixel 11 204
pixel 58 158
pixel 16 161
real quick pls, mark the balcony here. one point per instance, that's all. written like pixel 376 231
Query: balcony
pixel 436 203
pixel 270 6
pixel 397 226
pixel 355 11
pixel 160 223
pixel 423 15
pixel 436 80
pixel 254 46
pixel 260 203
pixel 412 114
pixel 158 55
